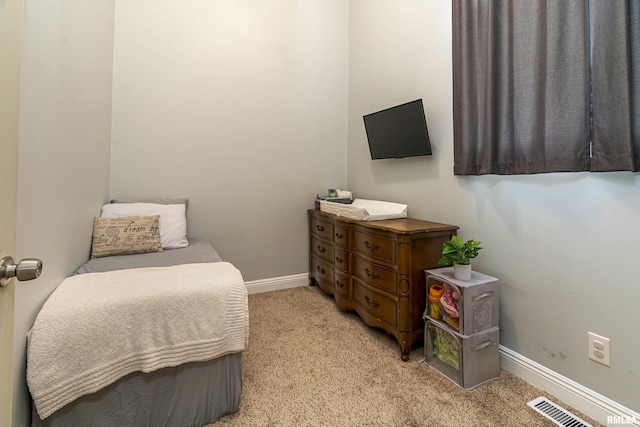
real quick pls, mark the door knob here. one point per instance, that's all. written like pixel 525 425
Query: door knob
pixel 26 269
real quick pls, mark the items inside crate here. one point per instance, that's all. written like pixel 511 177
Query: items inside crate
pixel 444 300
pixel 445 347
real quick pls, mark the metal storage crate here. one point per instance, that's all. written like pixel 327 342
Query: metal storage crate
pixel 468 361
pixel 477 302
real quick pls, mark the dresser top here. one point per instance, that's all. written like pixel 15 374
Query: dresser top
pixel 399 225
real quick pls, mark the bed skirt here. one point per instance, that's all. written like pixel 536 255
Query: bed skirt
pixel 192 394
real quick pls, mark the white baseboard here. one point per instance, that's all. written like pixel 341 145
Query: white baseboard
pixel 595 405
pixel 277 283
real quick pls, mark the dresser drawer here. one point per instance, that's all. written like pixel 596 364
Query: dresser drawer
pixel 374 274
pixel 375 246
pixel 340 235
pixel 322 272
pixel 321 227
pixel 322 249
pixel 375 303
pixel 341 259
pixel 341 284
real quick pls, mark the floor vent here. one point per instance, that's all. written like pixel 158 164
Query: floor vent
pixel 558 415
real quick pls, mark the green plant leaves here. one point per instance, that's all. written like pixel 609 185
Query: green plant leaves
pixel 458 251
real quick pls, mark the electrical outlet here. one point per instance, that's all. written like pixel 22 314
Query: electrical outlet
pixel 599 349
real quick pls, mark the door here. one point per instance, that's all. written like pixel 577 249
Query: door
pixel 10 53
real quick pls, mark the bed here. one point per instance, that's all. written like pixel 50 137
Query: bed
pixel 185 303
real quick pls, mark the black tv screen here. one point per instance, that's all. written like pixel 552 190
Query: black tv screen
pixel 398 132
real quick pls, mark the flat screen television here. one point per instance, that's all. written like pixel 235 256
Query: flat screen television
pixel 398 132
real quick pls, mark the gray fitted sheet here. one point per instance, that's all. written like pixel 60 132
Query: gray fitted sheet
pixel 192 394
pixel 198 251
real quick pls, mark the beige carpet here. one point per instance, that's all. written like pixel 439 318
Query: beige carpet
pixel 310 364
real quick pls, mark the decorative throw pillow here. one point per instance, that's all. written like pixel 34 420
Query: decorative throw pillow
pixel 125 235
pixel 173 219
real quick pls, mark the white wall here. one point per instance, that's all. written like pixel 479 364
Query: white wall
pixel 63 168
pixel 562 245
pixel 240 106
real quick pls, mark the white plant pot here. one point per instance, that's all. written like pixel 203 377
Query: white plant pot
pixel 462 271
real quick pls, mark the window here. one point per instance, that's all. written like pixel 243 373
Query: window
pixel 546 86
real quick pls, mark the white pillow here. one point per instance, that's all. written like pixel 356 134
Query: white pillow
pixel 173 221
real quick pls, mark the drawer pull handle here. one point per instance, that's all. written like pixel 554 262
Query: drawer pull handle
pixel 371 275
pixel 339 284
pixel 340 260
pixel 319 227
pixel 372 246
pixel 321 270
pixel 479 297
pixel 321 249
pixel 339 235
pixel 372 302
pixel 482 345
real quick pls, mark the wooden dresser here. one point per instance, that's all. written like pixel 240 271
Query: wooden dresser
pixel 377 268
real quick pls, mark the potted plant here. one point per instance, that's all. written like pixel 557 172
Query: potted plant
pixel 459 253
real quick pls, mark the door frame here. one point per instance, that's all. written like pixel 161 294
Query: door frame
pixel 11 19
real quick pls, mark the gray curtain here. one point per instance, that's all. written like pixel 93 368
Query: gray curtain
pixel 615 42
pixel 521 89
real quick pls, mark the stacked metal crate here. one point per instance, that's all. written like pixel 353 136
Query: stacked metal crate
pixel 461 335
